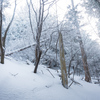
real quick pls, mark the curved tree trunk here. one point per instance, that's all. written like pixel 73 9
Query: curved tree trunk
pixel 3 39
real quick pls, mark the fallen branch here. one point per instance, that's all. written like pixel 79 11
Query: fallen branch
pixel 70 84
pixel 75 82
pixel 14 74
pixel 50 73
pixel 18 50
pixel 97 81
pixel 28 62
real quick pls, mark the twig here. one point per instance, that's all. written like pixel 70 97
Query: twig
pixel 50 73
pixel 70 84
pixel 14 74
pixel 76 82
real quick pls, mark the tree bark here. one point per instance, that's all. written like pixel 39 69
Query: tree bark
pixel 63 63
pixel 1 44
pixel 38 53
pixel 69 68
pixel 2 56
pixel 85 64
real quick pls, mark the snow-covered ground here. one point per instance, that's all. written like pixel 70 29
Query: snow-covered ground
pixel 18 82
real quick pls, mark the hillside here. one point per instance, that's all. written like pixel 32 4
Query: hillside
pixel 18 82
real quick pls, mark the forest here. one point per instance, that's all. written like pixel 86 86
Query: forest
pixel 48 38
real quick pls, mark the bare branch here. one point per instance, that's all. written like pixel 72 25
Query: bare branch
pixel 30 19
pixel 9 25
pixel 46 16
pixel 50 73
pixel 46 3
pixel 33 9
pixel 1 24
pixel 49 44
pixel 50 5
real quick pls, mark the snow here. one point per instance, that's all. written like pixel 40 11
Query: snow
pixel 18 82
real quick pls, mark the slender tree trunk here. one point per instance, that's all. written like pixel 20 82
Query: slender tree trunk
pixel 84 57
pixel 72 57
pixel 3 39
pixel 1 42
pixel 85 65
pixel 69 68
pixel 38 53
pixel 63 63
pixel 3 51
pixel 2 56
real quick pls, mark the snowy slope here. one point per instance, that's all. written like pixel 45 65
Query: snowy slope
pixel 18 82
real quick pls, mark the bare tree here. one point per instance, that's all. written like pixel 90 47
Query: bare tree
pixel 3 38
pixel 40 17
pixel 84 57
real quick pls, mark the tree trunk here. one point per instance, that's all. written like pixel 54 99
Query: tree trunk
pixel 63 63
pixel 70 65
pixel 85 65
pixel 69 68
pixel 2 55
pixel 1 48
pixel 38 53
pixel 84 58
pixel 3 39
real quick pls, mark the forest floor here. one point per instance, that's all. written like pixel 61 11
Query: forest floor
pixel 18 82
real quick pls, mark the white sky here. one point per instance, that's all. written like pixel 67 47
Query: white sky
pixel 62 7
pixel 61 10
